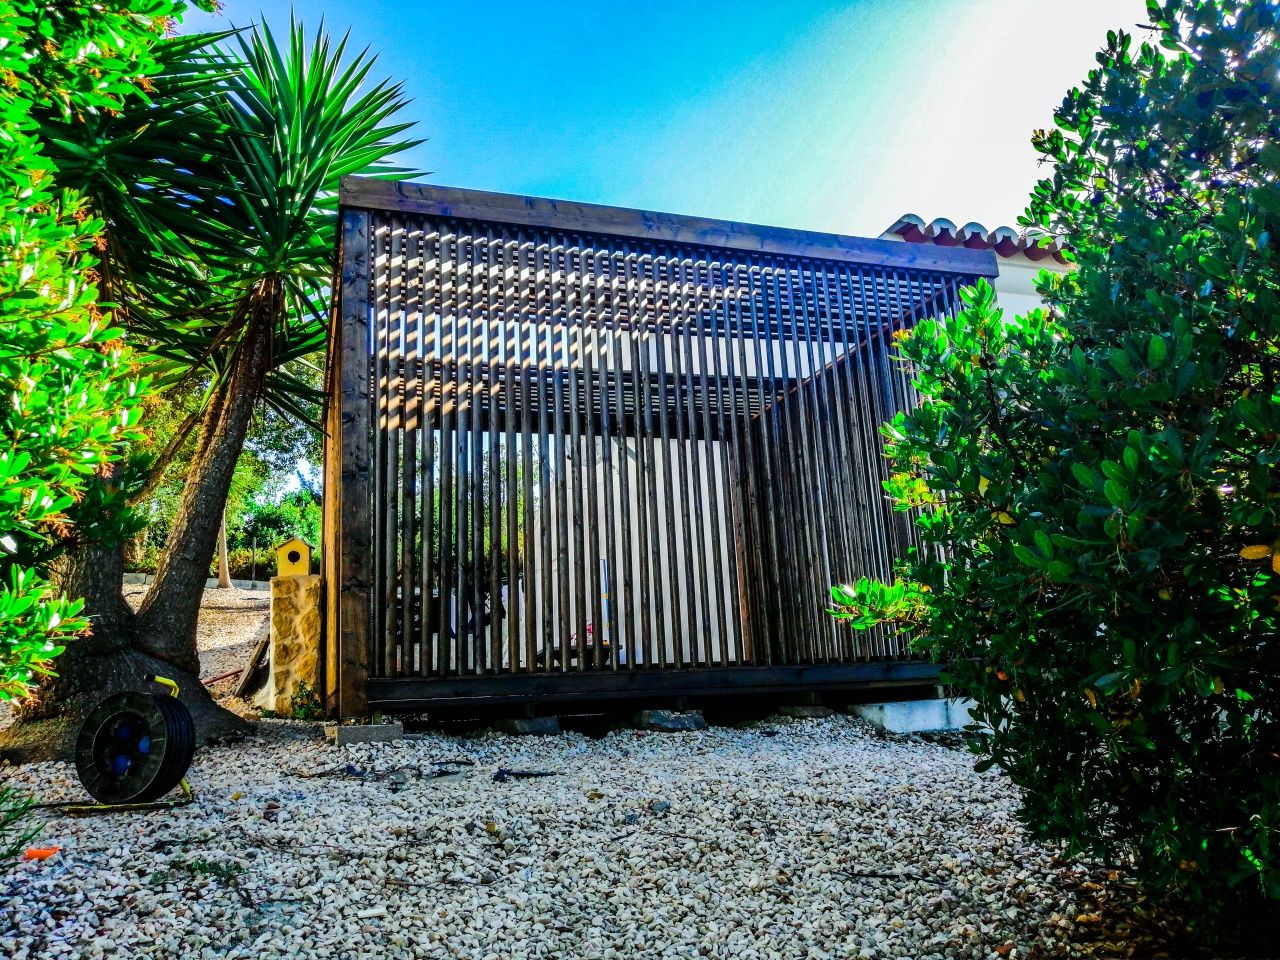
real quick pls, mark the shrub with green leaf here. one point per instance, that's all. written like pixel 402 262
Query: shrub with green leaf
pixel 1098 485
pixel 64 373
pixel 69 401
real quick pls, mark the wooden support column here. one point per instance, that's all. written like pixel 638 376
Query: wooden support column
pixel 355 412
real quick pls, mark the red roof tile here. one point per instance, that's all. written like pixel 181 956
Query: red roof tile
pixel 1005 241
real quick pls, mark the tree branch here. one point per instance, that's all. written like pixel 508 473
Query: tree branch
pixel 161 463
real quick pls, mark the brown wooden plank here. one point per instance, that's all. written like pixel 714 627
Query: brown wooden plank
pixel 355 414
pixel 435 200
pixel 417 695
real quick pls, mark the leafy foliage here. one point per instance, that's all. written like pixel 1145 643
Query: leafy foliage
pixel 1097 485
pixel 277 450
pixel 14 808
pixel 297 119
pixel 64 373
pixel 272 522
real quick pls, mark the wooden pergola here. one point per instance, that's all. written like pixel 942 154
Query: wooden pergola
pixel 578 452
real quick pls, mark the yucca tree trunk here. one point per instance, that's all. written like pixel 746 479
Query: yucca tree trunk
pixel 167 619
pixel 94 571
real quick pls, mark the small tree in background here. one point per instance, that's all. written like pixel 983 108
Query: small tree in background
pixel 1099 485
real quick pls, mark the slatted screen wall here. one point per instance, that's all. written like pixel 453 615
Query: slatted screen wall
pixel 594 452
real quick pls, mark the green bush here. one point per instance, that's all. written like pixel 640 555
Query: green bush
pixel 271 522
pixel 70 403
pixel 1097 486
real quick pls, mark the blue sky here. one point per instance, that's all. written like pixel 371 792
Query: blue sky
pixel 818 115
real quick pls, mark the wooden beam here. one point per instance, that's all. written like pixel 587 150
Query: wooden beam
pixel 413 695
pixel 438 201
pixel 354 426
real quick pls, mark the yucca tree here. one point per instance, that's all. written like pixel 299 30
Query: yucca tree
pixel 226 280
pixel 152 173
pixel 300 118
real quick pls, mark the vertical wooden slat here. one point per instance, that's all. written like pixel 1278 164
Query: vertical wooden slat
pixel 589 342
pixel 562 571
pixel 445 570
pixel 432 404
pixel 753 593
pixel 378 280
pixel 514 407
pixel 652 634
pixel 495 369
pixel 393 406
pixel 548 627
pixel 576 525
pixel 666 591
pixel 714 377
pixel 691 600
pixel 771 504
pixel 459 581
pixel 531 409
pixel 686 496
pixel 408 480
pixel 624 336
pixel 474 490
pixel 603 274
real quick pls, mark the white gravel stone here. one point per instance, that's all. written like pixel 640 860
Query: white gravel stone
pixel 814 838
pixel 823 839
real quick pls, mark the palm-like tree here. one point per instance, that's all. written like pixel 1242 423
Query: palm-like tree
pixel 220 199
pixel 300 119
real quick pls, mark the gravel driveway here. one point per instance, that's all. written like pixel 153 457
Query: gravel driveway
pixel 804 839
pixel 783 839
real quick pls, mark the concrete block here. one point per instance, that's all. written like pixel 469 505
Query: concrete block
pixel 530 726
pixel 669 721
pixel 212 583
pixel 805 711
pixel 343 734
pixel 916 716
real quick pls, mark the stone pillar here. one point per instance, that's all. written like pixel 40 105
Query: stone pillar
pixel 295 641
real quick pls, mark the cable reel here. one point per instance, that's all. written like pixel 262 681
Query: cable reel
pixel 133 748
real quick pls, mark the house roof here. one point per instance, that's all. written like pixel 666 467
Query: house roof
pixel 1005 241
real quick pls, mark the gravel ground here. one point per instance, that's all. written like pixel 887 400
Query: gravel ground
pixel 784 839
pixel 805 839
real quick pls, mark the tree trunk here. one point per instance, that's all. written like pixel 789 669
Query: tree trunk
pixel 99 664
pixel 94 571
pixel 47 724
pixel 167 620
pixel 224 568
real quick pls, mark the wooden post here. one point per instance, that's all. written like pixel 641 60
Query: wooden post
pixel 354 426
